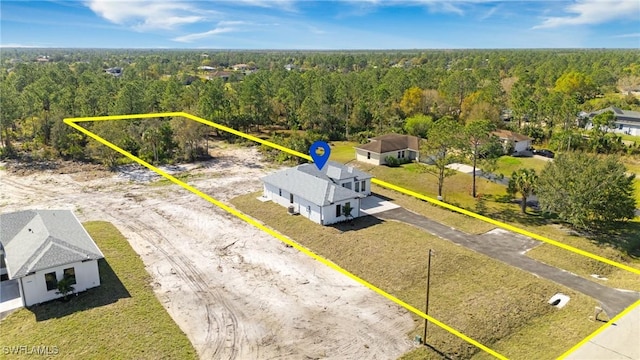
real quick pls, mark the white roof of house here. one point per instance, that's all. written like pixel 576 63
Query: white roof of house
pixel 321 187
pixel 35 240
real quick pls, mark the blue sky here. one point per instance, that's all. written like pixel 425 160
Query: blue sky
pixel 297 24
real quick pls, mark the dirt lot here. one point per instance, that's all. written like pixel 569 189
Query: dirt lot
pixel 235 291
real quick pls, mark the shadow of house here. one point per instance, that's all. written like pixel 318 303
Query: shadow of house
pixel 356 224
pixel 110 291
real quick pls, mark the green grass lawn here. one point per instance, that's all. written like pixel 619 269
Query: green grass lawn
pixel 120 319
pixel 343 151
pixel 508 164
pixel 502 307
pixel 622 245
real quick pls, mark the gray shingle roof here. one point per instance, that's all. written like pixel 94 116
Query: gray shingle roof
pixel 621 115
pixel 35 240
pixel 311 184
pixel 335 171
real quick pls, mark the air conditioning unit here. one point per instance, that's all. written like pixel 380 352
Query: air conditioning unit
pixel 291 210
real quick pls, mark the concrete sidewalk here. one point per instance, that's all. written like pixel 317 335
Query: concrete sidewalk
pixel 620 340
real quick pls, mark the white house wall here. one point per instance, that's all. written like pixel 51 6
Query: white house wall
pixel 629 129
pixel 34 286
pixel 361 155
pixel 300 205
pixel 308 209
pixel 520 146
pixel 329 211
pixel 379 159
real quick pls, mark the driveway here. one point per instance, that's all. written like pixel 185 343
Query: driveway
pixel 467 169
pixel 510 248
pixel 373 205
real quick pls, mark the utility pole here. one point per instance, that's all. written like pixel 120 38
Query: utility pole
pixel 426 311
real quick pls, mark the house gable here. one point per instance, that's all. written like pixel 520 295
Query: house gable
pixel 35 240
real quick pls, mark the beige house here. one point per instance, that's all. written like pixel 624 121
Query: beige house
pixel 521 143
pixel 401 147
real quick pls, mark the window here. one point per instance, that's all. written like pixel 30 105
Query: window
pixel 368 155
pixel 51 280
pixel 621 126
pixel 357 186
pixel 362 186
pixel 70 274
pixel 338 210
pixel 347 185
pixel 403 154
pixel 399 154
pixel 291 198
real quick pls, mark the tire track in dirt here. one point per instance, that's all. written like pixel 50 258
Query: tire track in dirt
pixel 252 301
pixel 221 338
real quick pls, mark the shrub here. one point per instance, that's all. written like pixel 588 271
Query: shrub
pixel 392 161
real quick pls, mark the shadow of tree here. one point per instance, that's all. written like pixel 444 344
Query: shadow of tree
pixel 531 218
pixel 624 236
pixel 110 291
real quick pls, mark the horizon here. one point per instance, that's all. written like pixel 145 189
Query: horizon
pixel 338 25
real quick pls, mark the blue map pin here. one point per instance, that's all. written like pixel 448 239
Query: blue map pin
pixel 320 160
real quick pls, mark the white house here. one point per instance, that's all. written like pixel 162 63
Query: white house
pixel 521 143
pixel 41 247
pixel 401 147
pixel 626 121
pixel 319 195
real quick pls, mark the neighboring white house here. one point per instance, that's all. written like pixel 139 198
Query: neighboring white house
pixel 521 143
pixel 626 121
pixel 401 147
pixel 41 247
pixel 319 195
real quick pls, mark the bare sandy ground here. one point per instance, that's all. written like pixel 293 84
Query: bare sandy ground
pixel 236 292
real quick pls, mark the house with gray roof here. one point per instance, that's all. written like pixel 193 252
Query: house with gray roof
pixel 38 248
pixel 626 121
pixel 402 147
pixel 319 195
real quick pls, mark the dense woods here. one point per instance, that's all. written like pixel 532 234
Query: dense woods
pixel 330 95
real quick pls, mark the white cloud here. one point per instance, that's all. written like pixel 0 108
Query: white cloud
pixel 286 5
pixel 149 14
pixel 632 35
pixel 444 6
pixel 489 13
pixel 221 28
pixel 15 45
pixel 588 12
pixel 203 35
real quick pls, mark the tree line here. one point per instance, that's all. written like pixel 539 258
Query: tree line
pixel 333 95
pixel 452 98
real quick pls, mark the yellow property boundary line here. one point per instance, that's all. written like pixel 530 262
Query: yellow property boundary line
pixel 600 329
pixel 72 122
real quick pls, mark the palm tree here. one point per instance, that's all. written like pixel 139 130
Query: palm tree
pixel 523 181
pixel 65 287
pixel 346 210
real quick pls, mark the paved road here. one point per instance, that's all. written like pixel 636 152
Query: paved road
pixel 618 341
pixel 510 248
